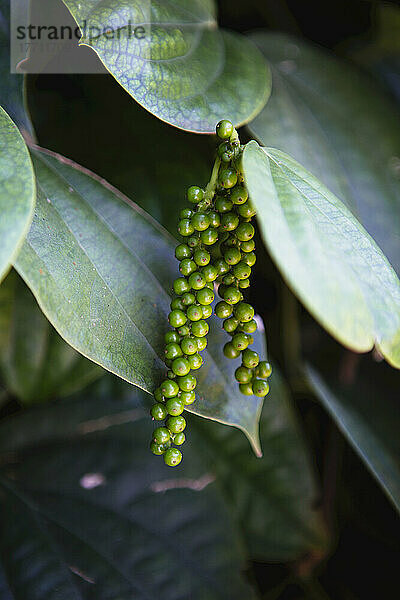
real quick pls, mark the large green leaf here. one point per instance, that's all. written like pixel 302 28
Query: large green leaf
pixel 271 500
pixel 184 70
pixel 338 123
pixel 101 270
pixel 17 191
pixel 367 413
pixel 325 255
pixel 35 363
pixel 82 515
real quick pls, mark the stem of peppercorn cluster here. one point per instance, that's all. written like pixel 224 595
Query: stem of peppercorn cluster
pixel 212 184
pixel 218 248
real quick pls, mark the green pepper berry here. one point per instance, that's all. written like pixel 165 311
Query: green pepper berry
pixel 223 310
pixel 249 327
pixel 224 129
pixel 200 221
pixel 230 324
pixel 246 210
pixel 161 435
pixel 246 389
pixel 209 285
pixel 179 439
pixel 187 397
pixel 189 345
pixel 242 271
pixel 176 424
pixel 188 298
pixel 158 395
pixel 172 457
pixel 231 295
pixel 183 251
pixel 243 375
pixel 230 351
pixel 181 285
pixel 225 152
pixel 230 221
pixel 169 388
pixel 171 375
pixel 171 337
pixel 240 341
pixel 193 241
pixel 187 266
pixel 215 219
pixel 260 388
pixel 229 279
pixel 176 304
pixel 186 213
pixel 194 312
pixel 232 256
pixel 200 328
pixel 244 283
pixel 173 351
pixel 209 273
pixel 250 358
pixel 174 406
pixel 197 280
pixel 245 232
pixel 181 366
pixel 239 194
pixel 195 194
pixel 157 449
pixel 207 311
pixel 209 237
pixel 248 246
pixel 250 259
pixel 223 204
pixel 187 383
pixel 221 266
pixel 184 330
pixel 195 361
pixel 228 177
pixel 177 318
pixel 244 312
pixel 264 369
pixel 158 412
pixel 185 227
pixel 222 289
pixel 205 296
pixel 201 343
pixel 201 257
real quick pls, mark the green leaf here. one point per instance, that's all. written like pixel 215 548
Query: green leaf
pixel 367 413
pixel 338 123
pixel 325 255
pixel 17 191
pixel 35 363
pixel 101 270
pixel 272 499
pixel 180 66
pixel 88 512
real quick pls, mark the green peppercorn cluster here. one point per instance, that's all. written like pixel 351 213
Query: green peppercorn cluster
pixel 217 248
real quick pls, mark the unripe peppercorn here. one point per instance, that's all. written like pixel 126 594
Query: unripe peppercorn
pixel 224 129
pixel 195 194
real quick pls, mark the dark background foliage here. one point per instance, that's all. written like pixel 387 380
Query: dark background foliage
pixel 153 163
